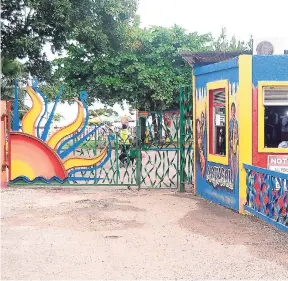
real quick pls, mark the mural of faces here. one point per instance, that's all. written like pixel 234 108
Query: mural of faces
pixel 200 131
pixel 233 141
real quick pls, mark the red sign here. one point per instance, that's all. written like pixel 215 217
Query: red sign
pixel 143 113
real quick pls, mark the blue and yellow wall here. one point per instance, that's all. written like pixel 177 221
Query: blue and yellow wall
pixel 267 71
pixel 219 178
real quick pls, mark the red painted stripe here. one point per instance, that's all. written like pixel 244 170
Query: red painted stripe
pixel 9 139
pixel 210 129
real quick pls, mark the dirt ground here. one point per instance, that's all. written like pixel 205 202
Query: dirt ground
pixel 107 233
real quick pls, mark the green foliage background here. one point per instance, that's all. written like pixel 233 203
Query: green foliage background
pixel 106 52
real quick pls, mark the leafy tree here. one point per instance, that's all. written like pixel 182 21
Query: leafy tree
pixel 107 112
pixel 58 117
pixel 11 70
pixel 98 114
pixel 222 43
pixel 148 74
pixel 99 26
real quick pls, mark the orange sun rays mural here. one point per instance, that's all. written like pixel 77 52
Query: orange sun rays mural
pixel 37 157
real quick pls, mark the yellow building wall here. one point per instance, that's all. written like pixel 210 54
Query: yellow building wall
pixel 245 123
pixel 239 93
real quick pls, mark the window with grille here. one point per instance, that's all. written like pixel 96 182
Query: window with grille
pixel 275 96
pixel 217 122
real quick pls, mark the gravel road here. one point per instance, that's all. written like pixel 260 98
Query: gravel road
pixel 107 233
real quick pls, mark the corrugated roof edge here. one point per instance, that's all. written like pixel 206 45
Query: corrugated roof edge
pixel 193 58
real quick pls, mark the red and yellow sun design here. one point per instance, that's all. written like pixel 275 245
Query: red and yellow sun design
pixel 31 157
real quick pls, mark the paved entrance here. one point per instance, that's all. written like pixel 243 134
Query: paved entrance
pixel 119 234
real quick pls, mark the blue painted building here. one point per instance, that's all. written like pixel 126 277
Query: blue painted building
pixel 229 120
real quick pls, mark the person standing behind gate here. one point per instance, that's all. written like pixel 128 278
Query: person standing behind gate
pixel 125 139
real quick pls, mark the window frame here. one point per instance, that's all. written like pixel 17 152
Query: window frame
pixel 261 114
pixel 214 87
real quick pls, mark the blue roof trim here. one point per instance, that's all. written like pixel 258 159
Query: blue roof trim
pixel 223 65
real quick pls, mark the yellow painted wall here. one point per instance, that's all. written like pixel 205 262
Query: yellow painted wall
pixel 245 123
pixel 240 93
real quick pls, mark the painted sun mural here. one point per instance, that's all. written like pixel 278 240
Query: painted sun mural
pixel 46 157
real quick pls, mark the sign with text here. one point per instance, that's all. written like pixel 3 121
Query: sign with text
pixel 219 176
pixel 278 163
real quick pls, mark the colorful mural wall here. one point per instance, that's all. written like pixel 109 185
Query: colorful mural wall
pixel 223 179
pixel 267 70
pixel 217 181
pixel 38 157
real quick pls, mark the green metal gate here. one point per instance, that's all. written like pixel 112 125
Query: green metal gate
pixel 162 149
pixel 166 158
pixel 109 172
pixel 186 138
pixel 159 157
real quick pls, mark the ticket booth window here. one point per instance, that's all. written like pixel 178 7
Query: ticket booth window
pixel 275 101
pixel 218 121
pixel 217 124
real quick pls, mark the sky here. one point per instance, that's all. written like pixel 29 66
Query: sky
pixel 264 18
pixel 261 19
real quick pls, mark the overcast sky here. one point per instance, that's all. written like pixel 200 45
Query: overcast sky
pixel 266 19
pixel 241 18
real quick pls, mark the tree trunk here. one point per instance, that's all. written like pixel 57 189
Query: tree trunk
pixel 155 126
pixel 142 122
pixel 160 126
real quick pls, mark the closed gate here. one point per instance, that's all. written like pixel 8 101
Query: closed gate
pixel 159 165
pixel 89 154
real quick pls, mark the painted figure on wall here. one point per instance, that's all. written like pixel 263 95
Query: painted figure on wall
pixel 233 142
pixel 201 142
pixel 213 178
pixel 202 123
